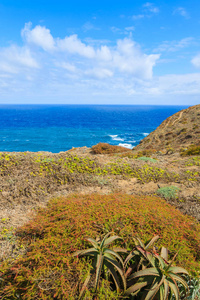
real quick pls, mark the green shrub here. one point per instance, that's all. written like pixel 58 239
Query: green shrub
pixel 147 159
pixel 168 192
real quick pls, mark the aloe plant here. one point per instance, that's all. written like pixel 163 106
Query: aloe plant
pixel 149 274
pixel 104 257
pixel 138 259
pixel 158 280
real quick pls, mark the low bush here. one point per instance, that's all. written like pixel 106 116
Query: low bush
pixel 104 148
pixel 144 158
pixel 168 192
pixel 192 150
pixel 48 270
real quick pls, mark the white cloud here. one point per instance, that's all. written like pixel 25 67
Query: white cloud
pixel 67 66
pixel 150 7
pixel 70 66
pixel 196 61
pixel 148 10
pixel 104 53
pixel 173 46
pixel 185 84
pixel 74 45
pixel 182 12
pixel 137 17
pixel 128 58
pixel 99 73
pixel 89 26
pixel 130 28
pixel 39 36
pixel 14 58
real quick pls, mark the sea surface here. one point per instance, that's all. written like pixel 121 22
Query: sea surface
pixel 56 128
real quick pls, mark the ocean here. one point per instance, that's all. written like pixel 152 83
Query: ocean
pixel 57 128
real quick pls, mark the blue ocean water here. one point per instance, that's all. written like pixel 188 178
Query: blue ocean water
pixel 58 128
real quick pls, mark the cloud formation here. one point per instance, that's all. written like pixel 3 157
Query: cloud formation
pixel 71 69
pixel 196 61
pixel 150 7
pixel 173 46
pixel 182 12
pixel 74 55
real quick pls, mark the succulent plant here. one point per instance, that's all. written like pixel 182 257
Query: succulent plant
pixel 104 257
pixel 149 275
pixel 157 279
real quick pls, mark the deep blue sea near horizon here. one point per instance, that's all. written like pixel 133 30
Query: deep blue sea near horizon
pixel 56 128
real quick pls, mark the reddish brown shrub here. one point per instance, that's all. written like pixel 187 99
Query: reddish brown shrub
pixel 104 148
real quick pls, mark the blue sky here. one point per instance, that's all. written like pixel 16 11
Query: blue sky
pixel 100 52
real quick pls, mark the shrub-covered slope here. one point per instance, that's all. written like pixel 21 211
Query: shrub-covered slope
pixel 178 131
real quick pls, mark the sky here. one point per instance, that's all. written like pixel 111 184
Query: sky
pixel 100 52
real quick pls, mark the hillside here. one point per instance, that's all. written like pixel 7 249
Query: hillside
pixel 178 131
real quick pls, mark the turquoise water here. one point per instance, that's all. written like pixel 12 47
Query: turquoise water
pixel 59 128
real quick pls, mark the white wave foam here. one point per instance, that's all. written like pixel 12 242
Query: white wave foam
pixel 116 138
pixel 129 146
pixel 145 133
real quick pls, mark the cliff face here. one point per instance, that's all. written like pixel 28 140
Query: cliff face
pixel 178 131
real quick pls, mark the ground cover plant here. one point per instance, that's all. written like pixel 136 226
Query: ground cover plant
pixel 191 150
pixel 22 173
pixel 168 192
pixel 49 271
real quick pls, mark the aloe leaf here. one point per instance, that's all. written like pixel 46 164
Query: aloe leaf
pixel 114 275
pixel 117 266
pixel 84 286
pixel 164 253
pixel 161 261
pixel 105 237
pixel 130 269
pixel 111 252
pixel 109 256
pixel 92 241
pixel 177 270
pixel 162 292
pixel 180 279
pixel 147 255
pixel 138 242
pixel 152 241
pixel 146 272
pixel 111 239
pixel 129 257
pixel 135 287
pixel 98 269
pixel 123 250
pixel 174 289
pixel 166 289
pixel 90 251
pixel 152 292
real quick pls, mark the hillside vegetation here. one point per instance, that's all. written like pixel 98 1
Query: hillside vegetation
pixel 50 202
